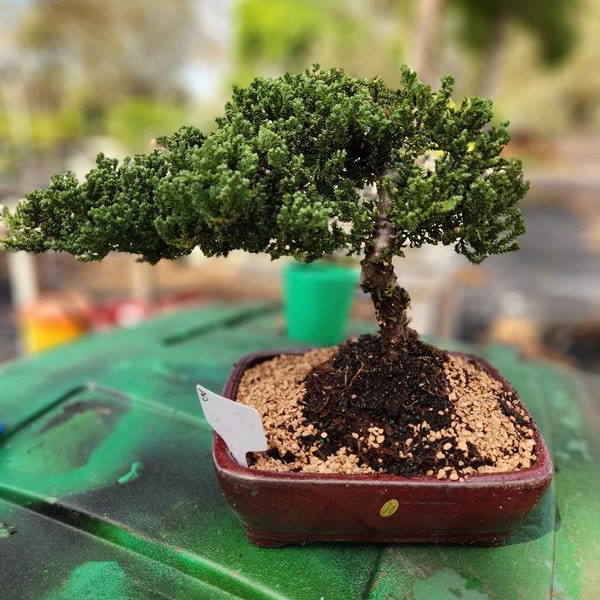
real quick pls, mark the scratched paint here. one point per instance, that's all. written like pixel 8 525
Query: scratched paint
pixel 447 583
pixel 95 581
pixel 132 474
pixel 67 441
pixel 6 530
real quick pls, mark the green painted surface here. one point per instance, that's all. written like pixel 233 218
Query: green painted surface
pixel 107 488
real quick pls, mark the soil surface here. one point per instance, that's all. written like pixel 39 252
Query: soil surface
pixel 346 409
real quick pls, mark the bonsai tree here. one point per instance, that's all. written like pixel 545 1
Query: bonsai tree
pixel 281 174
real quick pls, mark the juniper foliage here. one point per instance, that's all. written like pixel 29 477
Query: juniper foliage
pixel 281 174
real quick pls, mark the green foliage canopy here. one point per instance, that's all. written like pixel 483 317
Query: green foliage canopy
pixel 281 174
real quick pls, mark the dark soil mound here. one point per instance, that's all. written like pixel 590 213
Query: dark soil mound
pixel 383 395
pixel 349 409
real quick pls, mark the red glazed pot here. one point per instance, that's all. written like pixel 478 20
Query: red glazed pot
pixel 277 509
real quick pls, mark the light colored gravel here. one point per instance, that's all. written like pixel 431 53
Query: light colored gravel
pixel 478 427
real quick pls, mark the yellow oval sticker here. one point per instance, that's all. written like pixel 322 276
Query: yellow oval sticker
pixel 389 508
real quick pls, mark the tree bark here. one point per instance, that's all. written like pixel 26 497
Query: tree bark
pixel 378 279
pixel 489 68
pixel 426 59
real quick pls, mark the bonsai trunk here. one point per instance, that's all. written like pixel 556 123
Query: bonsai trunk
pixel 378 278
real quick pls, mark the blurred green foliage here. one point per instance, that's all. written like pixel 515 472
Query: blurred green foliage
pixel 137 121
pixel 279 31
pixel 551 22
pixel 276 36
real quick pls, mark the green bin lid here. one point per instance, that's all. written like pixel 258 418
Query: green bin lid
pixel 107 487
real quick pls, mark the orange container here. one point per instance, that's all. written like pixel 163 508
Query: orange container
pixel 53 320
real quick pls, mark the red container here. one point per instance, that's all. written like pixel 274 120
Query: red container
pixel 295 508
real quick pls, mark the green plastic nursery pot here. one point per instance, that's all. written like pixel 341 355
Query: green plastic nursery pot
pixel 317 301
pixel 277 508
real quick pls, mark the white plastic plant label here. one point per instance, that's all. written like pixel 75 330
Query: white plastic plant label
pixel 239 425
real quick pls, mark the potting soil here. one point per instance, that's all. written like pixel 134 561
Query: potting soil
pixel 346 409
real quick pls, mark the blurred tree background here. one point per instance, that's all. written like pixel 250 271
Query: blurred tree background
pixel 133 70
pixel 92 63
pixel 82 76
pixel 71 69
